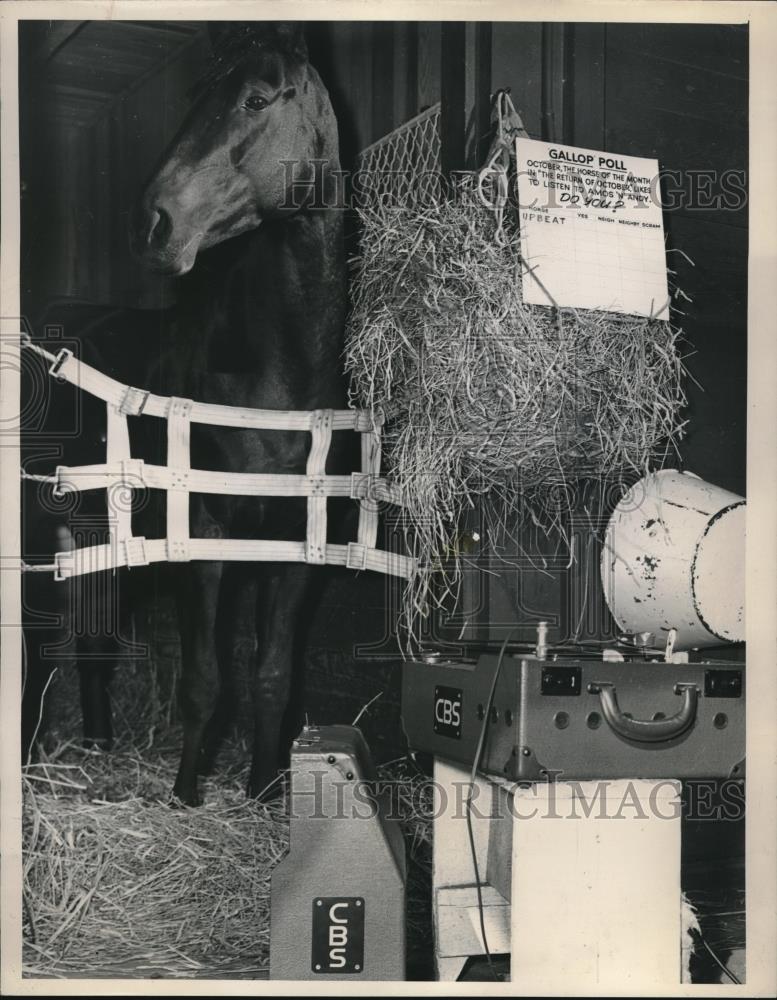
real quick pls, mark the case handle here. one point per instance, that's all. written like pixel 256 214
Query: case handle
pixel 644 730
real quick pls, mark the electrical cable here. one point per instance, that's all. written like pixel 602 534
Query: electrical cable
pixel 473 775
pixel 722 965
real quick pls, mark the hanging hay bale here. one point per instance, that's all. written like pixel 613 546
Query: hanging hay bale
pixel 486 396
pixel 117 883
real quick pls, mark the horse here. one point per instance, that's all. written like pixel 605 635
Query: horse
pixel 242 211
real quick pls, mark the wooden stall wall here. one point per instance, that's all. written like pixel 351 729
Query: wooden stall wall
pixel 677 93
pixel 691 82
pixel 99 102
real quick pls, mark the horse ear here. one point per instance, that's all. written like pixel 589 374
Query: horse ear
pixel 222 33
pixel 287 36
pixel 291 38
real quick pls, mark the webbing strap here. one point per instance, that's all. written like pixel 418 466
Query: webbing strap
pixel 178 458
pixel 368 508
pixel 117 451
pixel 135 401
pixel 97 558
pixel 321 431
pixel 137 474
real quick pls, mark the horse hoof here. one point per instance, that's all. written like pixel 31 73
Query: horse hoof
pixel 97 743
pixel 183 798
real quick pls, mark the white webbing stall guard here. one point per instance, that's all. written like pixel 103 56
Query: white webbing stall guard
pixel 178 479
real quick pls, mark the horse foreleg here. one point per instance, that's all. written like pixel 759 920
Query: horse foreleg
pixel 280 626
pixel 198 593
pixel 94 680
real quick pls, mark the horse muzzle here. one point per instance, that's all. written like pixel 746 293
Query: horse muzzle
pixel 156 243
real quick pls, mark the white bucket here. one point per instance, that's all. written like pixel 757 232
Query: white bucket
pixel 674 557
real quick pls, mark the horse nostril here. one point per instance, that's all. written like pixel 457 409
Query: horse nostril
pixel 159 228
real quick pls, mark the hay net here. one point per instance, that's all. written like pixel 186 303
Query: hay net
pixel 489 401
pixel 391 168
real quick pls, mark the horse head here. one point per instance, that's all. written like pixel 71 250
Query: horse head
pixel 260 129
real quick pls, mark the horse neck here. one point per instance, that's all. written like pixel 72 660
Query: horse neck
pixel 272 303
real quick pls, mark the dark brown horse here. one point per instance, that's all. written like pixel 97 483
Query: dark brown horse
pixel 236 209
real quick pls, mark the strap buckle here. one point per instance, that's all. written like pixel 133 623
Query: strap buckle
pixel 360 485
pixel 356 556
pixel 133 402
pixel 132 473
pixel 61 359
pixel 64 565
pixel 135 551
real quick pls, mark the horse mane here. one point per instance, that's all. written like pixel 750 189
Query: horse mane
pixel 242 41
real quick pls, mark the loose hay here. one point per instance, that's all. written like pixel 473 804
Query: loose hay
pixel 116 882
pixel 486 396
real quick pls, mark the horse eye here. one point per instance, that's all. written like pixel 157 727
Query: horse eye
pixel 255 103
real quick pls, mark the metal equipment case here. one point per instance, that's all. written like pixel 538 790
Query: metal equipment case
pixel 338 897
pixel 580 719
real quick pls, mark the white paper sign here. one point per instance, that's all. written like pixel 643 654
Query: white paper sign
pixel 592 232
